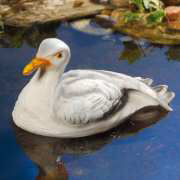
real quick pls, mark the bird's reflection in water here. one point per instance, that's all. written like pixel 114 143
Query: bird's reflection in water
pixel 47 152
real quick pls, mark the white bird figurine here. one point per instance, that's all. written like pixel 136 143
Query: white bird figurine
pixel 79 102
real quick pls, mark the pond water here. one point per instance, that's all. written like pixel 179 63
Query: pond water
pixel 150 154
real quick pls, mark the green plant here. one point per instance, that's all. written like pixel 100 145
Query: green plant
pixel 155 17
pixel 150 5
pixel 131 17
pixel 154 10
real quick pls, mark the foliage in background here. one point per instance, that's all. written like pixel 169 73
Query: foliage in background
pixel 155 17
pixel 149 5
pixel 153 9
pixel 131 17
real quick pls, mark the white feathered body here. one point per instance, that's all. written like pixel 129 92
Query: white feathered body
pixel 84 102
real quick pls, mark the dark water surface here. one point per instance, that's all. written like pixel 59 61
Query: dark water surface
pixel 151 154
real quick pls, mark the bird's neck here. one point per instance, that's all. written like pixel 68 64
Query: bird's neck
pixel 48 79
pixel 40 90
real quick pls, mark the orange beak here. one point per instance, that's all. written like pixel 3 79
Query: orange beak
pixel 35 64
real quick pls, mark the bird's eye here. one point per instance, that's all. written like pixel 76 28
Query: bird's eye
pixel 58 55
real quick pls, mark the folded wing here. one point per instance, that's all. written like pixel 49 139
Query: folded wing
pixel 85 101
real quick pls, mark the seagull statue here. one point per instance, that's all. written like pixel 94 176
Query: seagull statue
pixel 80 103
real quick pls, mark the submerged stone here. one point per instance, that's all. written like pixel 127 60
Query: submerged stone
pixel 89 26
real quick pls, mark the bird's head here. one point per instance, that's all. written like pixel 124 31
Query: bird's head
pixel 52 53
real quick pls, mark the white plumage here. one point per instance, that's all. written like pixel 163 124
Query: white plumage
pixel 80 102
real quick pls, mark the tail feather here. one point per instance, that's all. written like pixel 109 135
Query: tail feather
pixel 164 94
pixel 169 96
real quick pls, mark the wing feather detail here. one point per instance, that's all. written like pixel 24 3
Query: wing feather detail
pixel 86 101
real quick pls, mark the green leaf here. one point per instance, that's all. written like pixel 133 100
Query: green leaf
pixel 155 17
pixel 131 17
